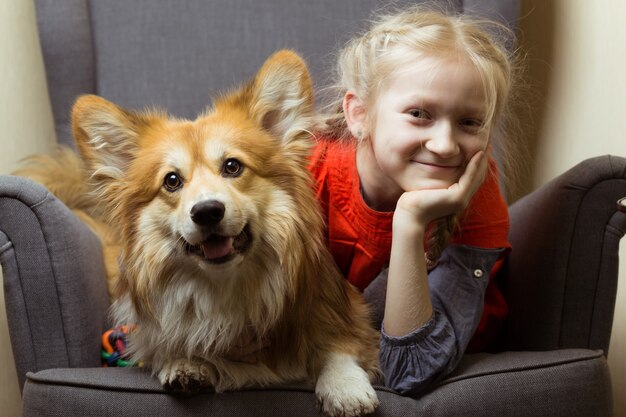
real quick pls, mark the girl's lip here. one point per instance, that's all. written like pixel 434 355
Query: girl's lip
pixel 437 166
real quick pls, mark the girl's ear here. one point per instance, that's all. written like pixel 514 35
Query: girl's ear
pixel 355 114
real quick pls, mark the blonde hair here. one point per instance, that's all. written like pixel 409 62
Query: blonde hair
pixel 396 39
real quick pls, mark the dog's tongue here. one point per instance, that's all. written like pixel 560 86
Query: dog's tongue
pixel 217 247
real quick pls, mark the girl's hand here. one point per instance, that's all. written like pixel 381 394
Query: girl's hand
pixel 408 304
pixel 424 206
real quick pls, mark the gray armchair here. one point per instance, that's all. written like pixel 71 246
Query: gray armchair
pixel 560 280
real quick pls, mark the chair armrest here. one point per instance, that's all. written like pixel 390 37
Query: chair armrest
pixel 54 281
pixel 561 277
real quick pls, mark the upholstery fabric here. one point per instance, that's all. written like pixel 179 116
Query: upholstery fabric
pixel 483 385
pixel 55 295
pixel 561 289
pixel 66 44
pixel 178 54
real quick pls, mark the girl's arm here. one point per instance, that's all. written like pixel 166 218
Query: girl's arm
pixel 408 304
pixel 457 286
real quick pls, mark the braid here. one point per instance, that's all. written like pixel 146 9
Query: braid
pixel 438 238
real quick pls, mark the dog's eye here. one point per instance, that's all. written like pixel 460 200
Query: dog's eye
pixel 172 182
pixel 232 168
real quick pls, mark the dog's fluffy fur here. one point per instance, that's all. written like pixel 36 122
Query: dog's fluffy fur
pixel 220 240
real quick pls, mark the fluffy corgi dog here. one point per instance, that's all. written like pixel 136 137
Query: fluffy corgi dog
pixel 220 240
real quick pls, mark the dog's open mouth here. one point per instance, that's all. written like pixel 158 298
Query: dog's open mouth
pixel 218 249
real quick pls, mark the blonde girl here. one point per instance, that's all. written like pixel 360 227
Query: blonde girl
pixel 405 175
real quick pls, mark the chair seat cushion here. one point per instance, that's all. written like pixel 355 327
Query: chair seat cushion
pixel 561 382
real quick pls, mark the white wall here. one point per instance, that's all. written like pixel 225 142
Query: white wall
pixel 27 127
pixel 577 58
pixel 25 115
pixel 10 392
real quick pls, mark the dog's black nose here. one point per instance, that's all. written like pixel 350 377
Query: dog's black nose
pixel 207 213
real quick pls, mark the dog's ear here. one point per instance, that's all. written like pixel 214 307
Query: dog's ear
pixel 281 96
pixel 106 135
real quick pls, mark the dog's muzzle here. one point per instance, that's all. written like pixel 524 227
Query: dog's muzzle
pixel 217 248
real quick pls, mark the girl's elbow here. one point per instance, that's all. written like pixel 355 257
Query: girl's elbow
pixel 412 376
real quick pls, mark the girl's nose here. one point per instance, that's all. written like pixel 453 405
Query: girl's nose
pixel 442 141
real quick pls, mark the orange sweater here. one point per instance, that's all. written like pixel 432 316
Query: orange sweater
pixel 360 238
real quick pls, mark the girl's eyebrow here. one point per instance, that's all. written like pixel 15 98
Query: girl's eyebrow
pixel 422 100
pixel 476 109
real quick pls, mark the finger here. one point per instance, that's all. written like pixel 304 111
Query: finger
pixel 475 163
pixel 474 171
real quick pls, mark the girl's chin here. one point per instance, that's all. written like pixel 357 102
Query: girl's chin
pixel 433 178
pixel 431 184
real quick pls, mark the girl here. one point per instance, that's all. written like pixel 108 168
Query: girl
pixel 421 97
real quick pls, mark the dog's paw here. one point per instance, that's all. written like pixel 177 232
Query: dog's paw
pixel 344 389
pixel 187 377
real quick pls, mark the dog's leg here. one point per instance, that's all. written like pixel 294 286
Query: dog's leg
pixel 343 388
pixel 187 376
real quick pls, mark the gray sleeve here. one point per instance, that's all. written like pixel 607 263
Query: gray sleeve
pixel 457 288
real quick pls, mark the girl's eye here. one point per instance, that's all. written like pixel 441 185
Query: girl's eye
pixel 232 168
pixel 419 114
pixel 172 182
pixel 472 125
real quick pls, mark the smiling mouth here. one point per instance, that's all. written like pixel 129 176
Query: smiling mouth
pixel 219 249
pixel 437 166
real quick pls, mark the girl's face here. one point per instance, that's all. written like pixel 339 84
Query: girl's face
pixel 426 125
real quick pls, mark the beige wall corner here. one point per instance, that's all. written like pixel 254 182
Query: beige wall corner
pixel 25 113
pixel 10 400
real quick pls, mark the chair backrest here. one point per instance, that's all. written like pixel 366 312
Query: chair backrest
pixel 175 54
